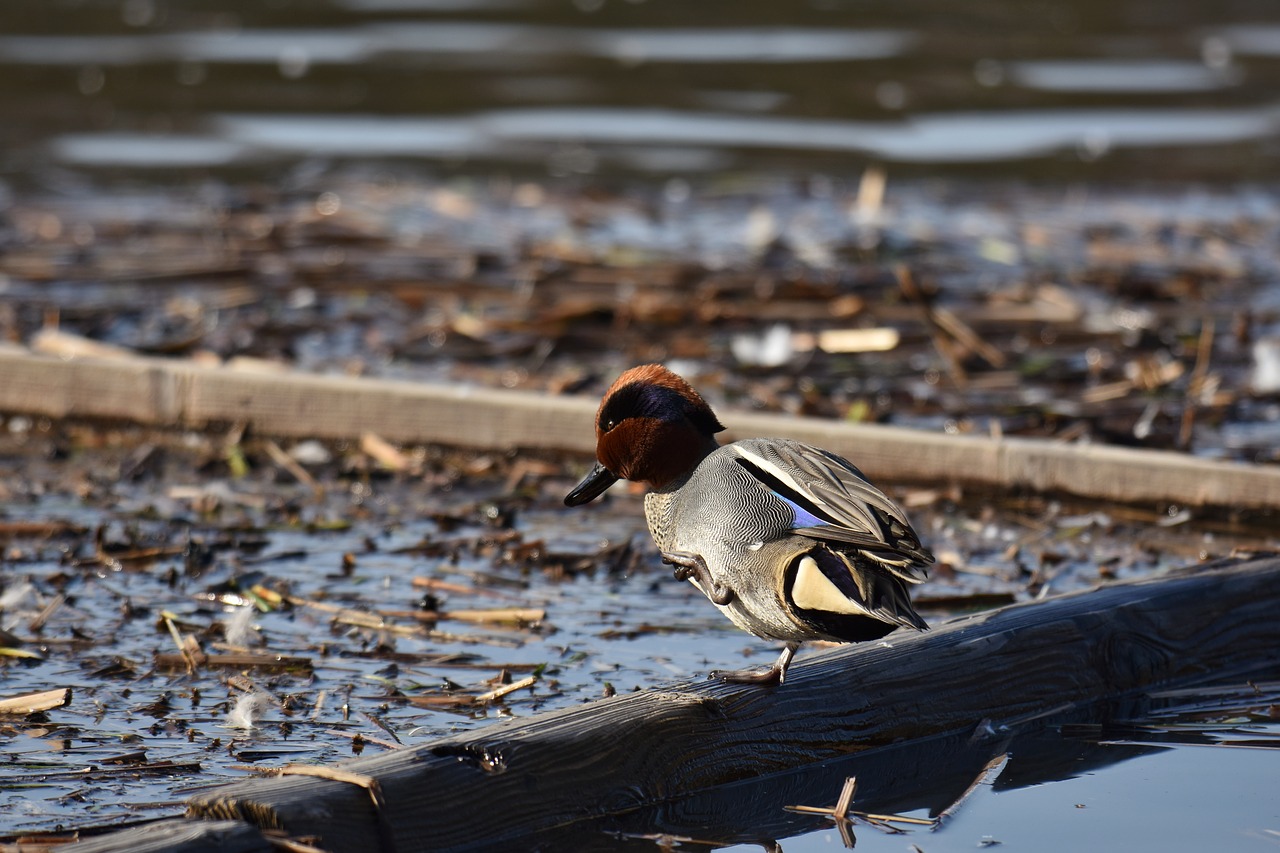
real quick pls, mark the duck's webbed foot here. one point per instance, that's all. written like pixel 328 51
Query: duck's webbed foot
pixel 692 566
pixel 766 677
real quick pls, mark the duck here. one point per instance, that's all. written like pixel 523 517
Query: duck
pixel 791 542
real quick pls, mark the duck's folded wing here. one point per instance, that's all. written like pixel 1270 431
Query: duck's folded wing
pixel 834 502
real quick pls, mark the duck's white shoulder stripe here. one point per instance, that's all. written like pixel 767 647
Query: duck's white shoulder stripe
pixel 812 590
pixel 782 475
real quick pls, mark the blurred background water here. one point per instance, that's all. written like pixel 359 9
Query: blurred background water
pixel 1099 88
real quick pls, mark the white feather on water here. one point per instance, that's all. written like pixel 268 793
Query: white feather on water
pixel 239 628
pixel 248 710
pixel 13 600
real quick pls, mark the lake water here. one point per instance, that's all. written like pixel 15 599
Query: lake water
pixel 109 592
pixel 1130 88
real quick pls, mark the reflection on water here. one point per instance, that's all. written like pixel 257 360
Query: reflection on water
pixel 1253 40
pixel 641 86
pixel 1091 75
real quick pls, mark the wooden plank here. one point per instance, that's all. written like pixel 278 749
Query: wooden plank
pixel 119 388
pixel 343 407
pixel 1095 471
pixel 174 393
pixel 178 836
pixel 969 678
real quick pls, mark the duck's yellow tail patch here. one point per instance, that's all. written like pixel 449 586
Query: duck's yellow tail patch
pixel 813 590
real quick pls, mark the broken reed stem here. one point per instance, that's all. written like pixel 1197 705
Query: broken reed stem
pixel 377 721
pixel 38 621
pixel 846 797
pixel 967 337
pixel 365 738
pixel 475 639
pixel 871 816
pixel 184 647
pixel 896 818
pixel 987 775
pixel 446 586
pixel 12 529
pixel 383 452
pixel 1204 352
pixel 237 660
pixel 337 774
pixel 942 341
pixel 288 463
pixel 291 845
pixel 375 622
pixel 499 692
pixel 518 615
pixel 842 811
pixel 378 621
pixel 810 810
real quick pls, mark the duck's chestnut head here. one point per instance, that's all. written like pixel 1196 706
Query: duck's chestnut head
pixel 652 427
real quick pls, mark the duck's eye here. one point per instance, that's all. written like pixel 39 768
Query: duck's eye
pixel 609 425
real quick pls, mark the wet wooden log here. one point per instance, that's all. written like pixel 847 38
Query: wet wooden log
pixel 174 393
pixel 969 678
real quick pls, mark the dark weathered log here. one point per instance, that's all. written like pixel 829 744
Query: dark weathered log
pixel 178 836
pixel 970 679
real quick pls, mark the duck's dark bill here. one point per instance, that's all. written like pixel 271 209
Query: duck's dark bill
pixel 592 486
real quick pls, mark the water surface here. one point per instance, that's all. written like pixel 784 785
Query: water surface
pixel 653 87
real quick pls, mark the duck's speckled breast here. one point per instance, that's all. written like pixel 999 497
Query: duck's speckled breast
pixel 723 514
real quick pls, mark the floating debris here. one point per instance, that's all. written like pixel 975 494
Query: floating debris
pixel 45 700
